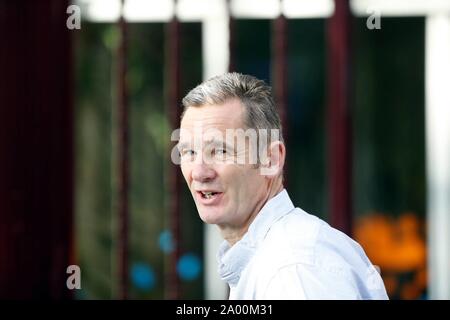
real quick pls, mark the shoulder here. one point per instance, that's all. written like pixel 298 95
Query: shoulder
pixel 311 255
pixel 308 239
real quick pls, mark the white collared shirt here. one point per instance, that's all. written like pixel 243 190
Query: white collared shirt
pixel 290 254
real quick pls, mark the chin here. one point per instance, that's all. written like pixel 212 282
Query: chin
pixel 209 216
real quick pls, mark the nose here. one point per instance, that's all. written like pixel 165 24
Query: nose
pixel 203 172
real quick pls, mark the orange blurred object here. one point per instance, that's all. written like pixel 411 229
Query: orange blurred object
pixel 397 246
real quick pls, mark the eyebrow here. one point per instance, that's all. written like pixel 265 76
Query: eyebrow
pixel 214 142
pixel 183 145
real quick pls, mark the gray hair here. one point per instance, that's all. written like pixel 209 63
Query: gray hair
pixel 254 94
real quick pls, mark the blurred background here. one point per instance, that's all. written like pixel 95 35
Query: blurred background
pixel 87 107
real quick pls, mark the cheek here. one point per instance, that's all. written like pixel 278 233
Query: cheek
pixel 237 179
pixel 186 171
pixel 250 181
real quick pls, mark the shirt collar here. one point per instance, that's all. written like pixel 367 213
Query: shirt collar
pixel 232 260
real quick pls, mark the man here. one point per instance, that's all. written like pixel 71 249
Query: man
pixel 272 250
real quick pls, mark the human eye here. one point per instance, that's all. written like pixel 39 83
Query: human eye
pixel 220 151
pixel 187 154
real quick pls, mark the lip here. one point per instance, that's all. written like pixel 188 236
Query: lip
pixel 208 202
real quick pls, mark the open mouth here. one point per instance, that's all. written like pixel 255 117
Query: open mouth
pixel 208 194
pixel 209 197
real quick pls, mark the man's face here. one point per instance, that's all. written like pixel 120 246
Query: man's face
pixel 226 192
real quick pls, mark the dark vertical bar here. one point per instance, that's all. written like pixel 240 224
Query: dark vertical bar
pixel 339 121
pixel 36 155
pixel 279 65
pixel 231 39
pixel 279 69
pixel 123 149
pixel 174 176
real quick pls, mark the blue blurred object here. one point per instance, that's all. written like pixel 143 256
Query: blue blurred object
pixel 143 276
pixel 189 267
pixel 166 241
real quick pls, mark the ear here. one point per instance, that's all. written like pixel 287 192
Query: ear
pixel 276 157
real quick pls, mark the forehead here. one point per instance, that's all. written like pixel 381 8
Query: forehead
pixel 229 115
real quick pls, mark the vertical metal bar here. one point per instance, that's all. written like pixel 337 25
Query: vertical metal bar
pixel 339 117
pixel 231 60
pixel 437 68
pixel 231 38
pixel 174 176
pixel 279 71
pixel 122 149
pixel 216 49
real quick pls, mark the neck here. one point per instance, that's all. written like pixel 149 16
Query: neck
pixel 234 234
